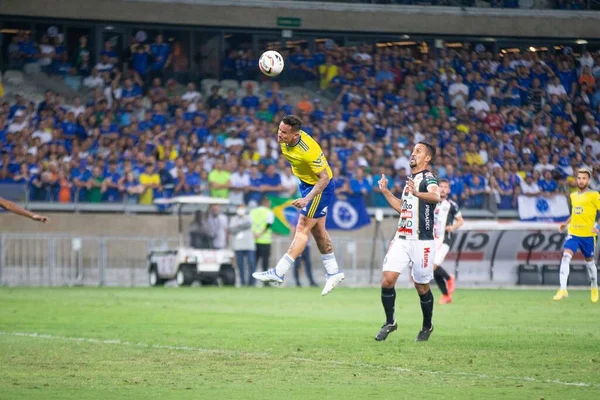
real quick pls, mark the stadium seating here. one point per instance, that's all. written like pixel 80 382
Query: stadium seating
pixel 492 127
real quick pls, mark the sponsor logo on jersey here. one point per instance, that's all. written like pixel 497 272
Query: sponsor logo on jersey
pixel 426 252
pixel 427 218
pixel 577 210
pixel 404 231
pixel 406 214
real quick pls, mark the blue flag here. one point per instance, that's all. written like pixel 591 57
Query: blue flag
pixel 347 213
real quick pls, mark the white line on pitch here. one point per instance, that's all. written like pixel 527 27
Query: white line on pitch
pixel 302 359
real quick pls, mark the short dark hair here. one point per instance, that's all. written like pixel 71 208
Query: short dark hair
pixel 293 121
pixel 440 181
pixel 430 148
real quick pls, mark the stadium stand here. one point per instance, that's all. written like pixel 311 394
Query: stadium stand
pixel 75 129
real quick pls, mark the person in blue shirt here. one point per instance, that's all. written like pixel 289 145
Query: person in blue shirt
pixel 360 187
pixel 69 127
pixel 254 191
pixel 158 117
pixel 548 186
pixel 141 59
pixel 296 60
pixel 19 105
pixel 271 182
pixel 250 100
pixel 81 177
pixel 506 189
pixel 130 90
pixel 309 68
pixel 112 177
pixel 524 84
pixel 384 74
pixel 162 55
pixel 477 190
pixel 109 52
pixel 567 77
pixel 512 94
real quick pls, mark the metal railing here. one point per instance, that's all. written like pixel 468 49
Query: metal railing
pixel 68 260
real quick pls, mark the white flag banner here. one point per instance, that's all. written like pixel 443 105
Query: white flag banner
pixel 546 209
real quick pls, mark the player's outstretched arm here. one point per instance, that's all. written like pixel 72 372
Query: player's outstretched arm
pixel 392 200
pixel 12 207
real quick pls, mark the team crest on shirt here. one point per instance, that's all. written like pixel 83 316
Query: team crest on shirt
pixel 578 210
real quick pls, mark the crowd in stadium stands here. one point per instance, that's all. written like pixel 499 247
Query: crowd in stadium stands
pixel 504 124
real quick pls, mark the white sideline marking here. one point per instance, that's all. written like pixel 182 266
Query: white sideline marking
pixel 302 359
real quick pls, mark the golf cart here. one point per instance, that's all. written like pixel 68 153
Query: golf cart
pixel 187 264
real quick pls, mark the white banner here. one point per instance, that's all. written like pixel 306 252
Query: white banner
pixel 549 209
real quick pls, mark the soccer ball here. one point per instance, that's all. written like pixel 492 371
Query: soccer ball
pixel 270 63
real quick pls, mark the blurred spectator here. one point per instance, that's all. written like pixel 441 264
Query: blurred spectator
pixel 242 243
pixel 477 190
pixel 271 182
pixel 162 56
pixel 218 180
pixel 217 226
pixel 150 181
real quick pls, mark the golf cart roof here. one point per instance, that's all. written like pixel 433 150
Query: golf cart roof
pixel 191 200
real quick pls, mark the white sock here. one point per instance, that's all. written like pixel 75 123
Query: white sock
pixel 284 265
pixel 592 272
pixel 330 263
pixel 564 270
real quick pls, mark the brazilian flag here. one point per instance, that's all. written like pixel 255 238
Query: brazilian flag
pixel 286 215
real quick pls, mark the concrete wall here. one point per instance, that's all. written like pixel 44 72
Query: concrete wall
pixel 321 16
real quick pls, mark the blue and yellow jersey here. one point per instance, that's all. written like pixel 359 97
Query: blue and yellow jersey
pixel 306 158
pixel 583 215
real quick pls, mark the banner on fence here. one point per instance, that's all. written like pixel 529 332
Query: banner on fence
pixel 344 213
pixel 555 208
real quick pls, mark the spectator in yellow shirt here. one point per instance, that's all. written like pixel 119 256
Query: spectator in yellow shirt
pixel 327 72
pixel 150 180
pixel 251 154
pixel 472 156
pixel 166 151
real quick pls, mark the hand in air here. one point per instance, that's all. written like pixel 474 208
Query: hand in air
pixel 383 182
pixel 40 218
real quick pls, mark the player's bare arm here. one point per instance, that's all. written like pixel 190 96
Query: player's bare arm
pixel 318 188
pixel 456 225
pixel 563 226
pixel 15 209
pixel 392 200
pixel 431 196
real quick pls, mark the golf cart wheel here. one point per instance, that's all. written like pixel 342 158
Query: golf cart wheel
pixel 227 275
pixel 153 277
pixel 185 276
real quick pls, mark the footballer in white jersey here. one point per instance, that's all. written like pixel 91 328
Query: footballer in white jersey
pixel 413 243
pixel 447 220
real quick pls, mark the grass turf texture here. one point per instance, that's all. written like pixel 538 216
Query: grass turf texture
pixel 211 343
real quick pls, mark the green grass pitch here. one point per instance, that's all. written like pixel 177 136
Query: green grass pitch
pixel 217 343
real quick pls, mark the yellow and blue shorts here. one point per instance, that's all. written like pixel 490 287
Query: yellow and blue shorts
pixel 317 207
pixel 585 244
